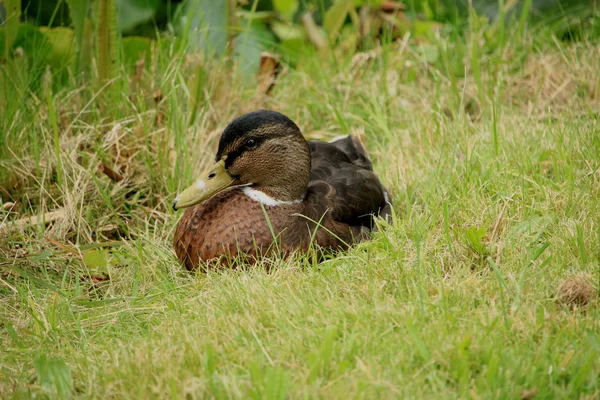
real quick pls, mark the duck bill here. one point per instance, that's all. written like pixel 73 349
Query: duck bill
pixel 211 182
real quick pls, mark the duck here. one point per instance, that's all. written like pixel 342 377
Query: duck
pixel 272 191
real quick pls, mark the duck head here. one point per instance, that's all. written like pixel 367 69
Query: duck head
pixel 263 150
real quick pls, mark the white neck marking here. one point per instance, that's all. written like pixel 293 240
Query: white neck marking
pixel 265 199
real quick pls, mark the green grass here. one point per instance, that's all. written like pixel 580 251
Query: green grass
pixel 491 153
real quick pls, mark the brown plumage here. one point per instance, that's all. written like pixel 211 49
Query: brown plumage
pixel 284 187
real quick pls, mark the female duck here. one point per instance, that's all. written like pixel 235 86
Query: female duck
pixel 271 190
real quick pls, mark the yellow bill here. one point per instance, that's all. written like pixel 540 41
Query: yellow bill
pixel 211 182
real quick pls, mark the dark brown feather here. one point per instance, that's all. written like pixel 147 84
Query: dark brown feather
pixel 358 192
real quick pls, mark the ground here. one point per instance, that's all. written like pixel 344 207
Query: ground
pixel 491 154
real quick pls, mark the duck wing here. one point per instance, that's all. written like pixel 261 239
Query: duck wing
pixel 342 177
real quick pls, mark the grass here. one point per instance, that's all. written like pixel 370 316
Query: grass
pixel 491 153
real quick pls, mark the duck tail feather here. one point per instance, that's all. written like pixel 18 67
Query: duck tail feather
pixel 354 147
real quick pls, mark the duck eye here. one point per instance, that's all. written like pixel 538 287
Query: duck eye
pixel 250 143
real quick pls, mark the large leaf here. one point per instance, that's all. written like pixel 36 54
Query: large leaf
pixel 33 43
pixel 22 74
pixel 286 7
pixel 207 24
pixel 136 48
pixel 285 31
pixel 335 17
pixel 63 49
pixel 97 259
pixel 131 13
pixel 474 238
pixel 248 46
pixel 295 51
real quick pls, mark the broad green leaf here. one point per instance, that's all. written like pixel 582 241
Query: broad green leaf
pixel 63 47
pixel 31 40
pixel 36 49
pixel 286 7
pixel 335 17
pixel 474 237
pixel 285 31
pixel 257 15
pixel 131 13
pixel 250 44
pixel 425 28
pixel 97 259
pixel 136 48
pixel 207 22
pixel 295 50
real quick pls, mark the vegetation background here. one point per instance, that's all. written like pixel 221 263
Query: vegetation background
pixel 481 117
